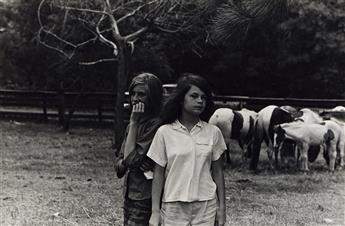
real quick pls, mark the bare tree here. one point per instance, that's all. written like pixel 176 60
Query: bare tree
pixel 67 26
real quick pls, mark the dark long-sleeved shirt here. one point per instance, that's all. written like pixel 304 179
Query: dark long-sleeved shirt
pixel 136 186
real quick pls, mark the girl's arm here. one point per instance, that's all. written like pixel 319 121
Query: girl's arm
pixel 137 158
pixel 131 138
pixel 120 168
pixel 157 189
pixel 218 177
pixel 137 111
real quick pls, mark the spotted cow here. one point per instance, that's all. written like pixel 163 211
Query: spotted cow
pixel 235 125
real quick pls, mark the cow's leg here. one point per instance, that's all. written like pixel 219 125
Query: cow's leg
pixel 226 154
pixel 298 153
pixel 249 149
pixel 304 156
pixel 294 160
pixel 332 152
pixel 244 151
pixel 276 157
pixel 228 159
pixel 288 154
pixel 255 153
pixel 342 154
pixel 325 154
pixel 240 143
pixel 270 151
pixel 246 154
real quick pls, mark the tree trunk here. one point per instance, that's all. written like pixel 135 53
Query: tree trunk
pixel 121 86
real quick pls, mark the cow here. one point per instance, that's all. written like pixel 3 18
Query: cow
pixel 326 134
pixel 337 112
pixel 236 125
pixel 337 115
pixel 338 128
pixel 310 116
pixel 267 118
pixel 338 109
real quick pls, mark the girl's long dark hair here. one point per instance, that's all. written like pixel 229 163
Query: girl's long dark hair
pixel 173 106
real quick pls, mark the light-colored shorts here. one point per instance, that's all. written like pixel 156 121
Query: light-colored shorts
pixel 200 213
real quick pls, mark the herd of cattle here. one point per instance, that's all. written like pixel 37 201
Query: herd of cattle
pixel 293 136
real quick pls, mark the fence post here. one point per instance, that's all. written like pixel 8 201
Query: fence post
pixel 61 95
pixel 45 116
pixel 99 108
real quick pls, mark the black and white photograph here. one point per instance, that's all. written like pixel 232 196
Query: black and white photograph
pixel 172 112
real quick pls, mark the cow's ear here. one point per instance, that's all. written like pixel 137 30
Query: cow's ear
pixel 297 114
pixel 276 128
pixel 329 135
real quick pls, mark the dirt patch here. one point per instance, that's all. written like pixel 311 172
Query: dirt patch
pixel 54 178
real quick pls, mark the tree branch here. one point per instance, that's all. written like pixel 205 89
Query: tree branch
pixel 167 30
pixel 134 35
pixel 69 56
pixel 115 30
pixel 97 61
pixel 81 9
pixel 135 11
pixel 104 39
pixel 58 38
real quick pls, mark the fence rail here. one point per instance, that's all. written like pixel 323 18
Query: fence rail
pixel 49 104
pixel 257 103
pixel 99 106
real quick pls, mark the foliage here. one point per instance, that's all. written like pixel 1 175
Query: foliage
pixel 37 67
pixel 7 42
pixel 296 58
pixel 235 18
pixel 313 55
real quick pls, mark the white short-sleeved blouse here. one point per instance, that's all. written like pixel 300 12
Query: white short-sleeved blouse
pixel 187 157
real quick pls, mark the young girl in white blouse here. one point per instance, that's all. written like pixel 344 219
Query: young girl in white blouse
pixel 188 183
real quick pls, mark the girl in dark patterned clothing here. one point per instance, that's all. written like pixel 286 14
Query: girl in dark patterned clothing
pixel 146 95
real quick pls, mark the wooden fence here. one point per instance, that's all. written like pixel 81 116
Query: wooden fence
pixel 257 103
pixel 57 105
pixel 99 106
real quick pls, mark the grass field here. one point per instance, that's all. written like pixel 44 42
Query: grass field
pixel 54 178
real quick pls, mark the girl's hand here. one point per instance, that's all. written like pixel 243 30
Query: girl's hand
pixel 145 166
pixel 155 219
pixel 137 111
pixel 220 218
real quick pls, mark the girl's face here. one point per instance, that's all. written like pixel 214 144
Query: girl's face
pixel 194 101
pixel 139 94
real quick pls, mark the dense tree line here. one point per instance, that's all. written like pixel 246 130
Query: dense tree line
pixel 299 56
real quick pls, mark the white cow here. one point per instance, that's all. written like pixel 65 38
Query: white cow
pixel 338 108
pixel 309 116
pixel 305 135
